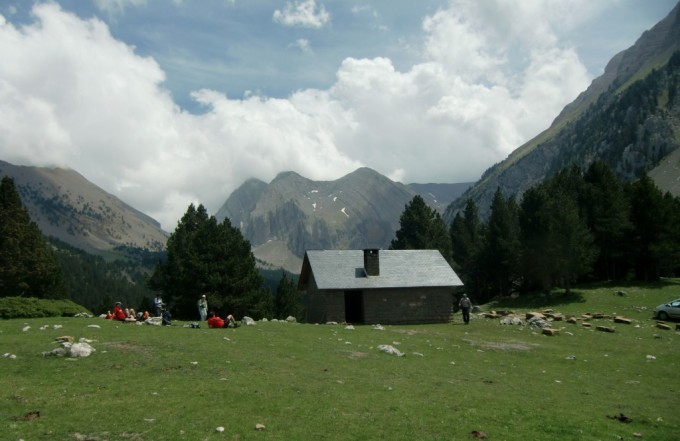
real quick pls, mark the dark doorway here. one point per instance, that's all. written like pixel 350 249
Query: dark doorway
pixel 354 306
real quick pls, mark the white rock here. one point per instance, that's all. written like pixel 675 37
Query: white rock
pixel 391 350
pixel 220 429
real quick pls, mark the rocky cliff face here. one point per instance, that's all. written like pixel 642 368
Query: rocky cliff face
pixel 67 206
pixel 629 118
pixel 292 214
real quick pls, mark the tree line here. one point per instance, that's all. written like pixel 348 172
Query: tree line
pixel 574 227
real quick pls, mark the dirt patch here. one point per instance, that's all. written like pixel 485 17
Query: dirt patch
pixel 126 346
pixel 502 346
pixel 357 355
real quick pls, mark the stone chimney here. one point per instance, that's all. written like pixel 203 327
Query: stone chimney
pixel 372 262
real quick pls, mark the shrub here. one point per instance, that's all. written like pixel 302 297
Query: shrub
pixel 29 307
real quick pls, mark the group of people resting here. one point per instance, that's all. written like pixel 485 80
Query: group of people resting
pixel 129 315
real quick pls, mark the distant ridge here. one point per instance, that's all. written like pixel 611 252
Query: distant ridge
pixel 67 206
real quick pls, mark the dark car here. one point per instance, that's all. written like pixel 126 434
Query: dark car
pixel 670 310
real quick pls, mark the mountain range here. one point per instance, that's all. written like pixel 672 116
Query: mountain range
pixel 629 117
pixel 292 214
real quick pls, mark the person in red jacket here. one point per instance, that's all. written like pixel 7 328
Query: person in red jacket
pixel 216 322
pixel 118 313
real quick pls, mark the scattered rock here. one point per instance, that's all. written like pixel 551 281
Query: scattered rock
pixel 219 429
pixel 73 350
pixel 538 322
pixel 291 319
pixel 259 426
pixel 511 320
pixel 531 315
pixel 390 350
pixel 605 329
pixel 572 320
pixel 586 325
pixel 378 328
pixel 550 331
pixel 663 326
pixel 478 434
pixel 619 319
pixel 651 357
pixel 248 321
pixel 64 338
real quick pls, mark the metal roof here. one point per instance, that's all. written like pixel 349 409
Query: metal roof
pixel 344 269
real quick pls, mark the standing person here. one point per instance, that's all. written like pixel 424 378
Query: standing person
pixel 465 305
pixel 203 308
pixel 158 304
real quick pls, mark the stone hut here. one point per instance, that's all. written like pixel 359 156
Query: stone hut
pixel 378 286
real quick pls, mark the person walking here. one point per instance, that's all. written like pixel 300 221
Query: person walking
pixel 465 305
pixel 203 308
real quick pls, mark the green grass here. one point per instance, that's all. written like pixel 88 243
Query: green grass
pixel 316 382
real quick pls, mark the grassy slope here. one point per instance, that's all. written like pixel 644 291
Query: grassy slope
pixel 327 382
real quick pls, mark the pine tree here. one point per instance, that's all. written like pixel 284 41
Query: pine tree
pixel 422 228
pixel 466 241
pixel 606 209
pixel 205 257
pixel 287 301
pixel 28 266
pixel 500 254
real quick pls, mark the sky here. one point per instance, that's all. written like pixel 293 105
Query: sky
pixel 165 103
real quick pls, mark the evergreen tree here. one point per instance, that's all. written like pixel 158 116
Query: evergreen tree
pixel 466 240
pixel 652 228
pixel 606 209
pixel 205 257
pixel 287 301
pixel 556 243
pixel 422 228
pixel 28 266
pixel 500 254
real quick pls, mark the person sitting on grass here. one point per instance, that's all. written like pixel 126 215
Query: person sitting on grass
pixel 166 317
pixel 216 322
pixel 119 314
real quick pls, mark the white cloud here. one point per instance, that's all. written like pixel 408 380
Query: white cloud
pixel 117 7
pixel 72 95
pixel 302 44
pixel 304 14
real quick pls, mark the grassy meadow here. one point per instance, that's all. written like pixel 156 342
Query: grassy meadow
pixel 316 382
